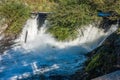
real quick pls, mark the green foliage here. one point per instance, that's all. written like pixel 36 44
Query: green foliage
pixel 40 5
pixel 15 15
pixel 93 63
pixel 75 13
pixel 61 33
pixel 102 62
pixel 105 5
pixel 67 16
pixel 70 15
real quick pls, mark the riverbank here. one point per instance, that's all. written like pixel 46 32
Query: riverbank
pixel 103 60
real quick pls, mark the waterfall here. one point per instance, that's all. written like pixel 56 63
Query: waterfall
pixel 31 28
pixel 89 36
pixel 38 52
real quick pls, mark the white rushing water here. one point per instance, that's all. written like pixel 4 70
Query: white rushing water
pixel 42 54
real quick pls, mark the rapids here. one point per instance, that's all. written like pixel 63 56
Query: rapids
pixel 42 54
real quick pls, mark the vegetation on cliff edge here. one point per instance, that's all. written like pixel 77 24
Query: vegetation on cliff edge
pixel 105 59
pixel 15 15
pixel 69 15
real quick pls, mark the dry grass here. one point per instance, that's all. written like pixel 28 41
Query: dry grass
pixel 40 5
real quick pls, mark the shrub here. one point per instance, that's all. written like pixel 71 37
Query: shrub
pixel 15 15
pixel 75 13
pixel 70 15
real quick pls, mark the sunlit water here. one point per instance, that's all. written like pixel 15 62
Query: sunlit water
pixel 42 54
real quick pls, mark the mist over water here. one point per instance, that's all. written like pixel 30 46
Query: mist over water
pixel 43 54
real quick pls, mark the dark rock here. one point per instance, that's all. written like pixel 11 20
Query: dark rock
pixel 6 43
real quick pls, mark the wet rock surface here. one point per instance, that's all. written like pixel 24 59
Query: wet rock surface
pixel 6 43
pixel 110 59
pixel 112 76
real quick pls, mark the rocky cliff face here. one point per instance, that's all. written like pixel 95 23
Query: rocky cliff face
pixel 103 60
pixel 106 58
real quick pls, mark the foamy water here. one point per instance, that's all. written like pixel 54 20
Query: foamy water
pixel 43 54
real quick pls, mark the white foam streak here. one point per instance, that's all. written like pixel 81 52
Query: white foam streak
pixel 36 70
